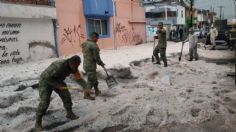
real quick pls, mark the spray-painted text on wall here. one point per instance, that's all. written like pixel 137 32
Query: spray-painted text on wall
pixel 9 33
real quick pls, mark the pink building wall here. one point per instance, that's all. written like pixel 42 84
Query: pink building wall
pixel 129 27
pixel 130 22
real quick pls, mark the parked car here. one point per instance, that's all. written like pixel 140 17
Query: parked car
pixel 204 32
pixel 200 33
pixel 197 32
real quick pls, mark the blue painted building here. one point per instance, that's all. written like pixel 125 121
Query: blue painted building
pixel 98 13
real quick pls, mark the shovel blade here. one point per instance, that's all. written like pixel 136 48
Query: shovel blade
pixel 111 82
pixel 179 58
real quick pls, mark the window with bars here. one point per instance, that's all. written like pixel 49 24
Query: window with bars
pixel 101 26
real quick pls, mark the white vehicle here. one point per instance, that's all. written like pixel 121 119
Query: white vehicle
pixel 197 32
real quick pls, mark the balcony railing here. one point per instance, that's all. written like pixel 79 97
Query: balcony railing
pixel 155 21
pixel 9 10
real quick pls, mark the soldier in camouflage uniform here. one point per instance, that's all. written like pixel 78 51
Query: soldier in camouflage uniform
pixel 91 59
pixel 161 47
pixel 52 79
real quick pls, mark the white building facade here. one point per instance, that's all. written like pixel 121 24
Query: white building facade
pixel 170 15
pixel 27 32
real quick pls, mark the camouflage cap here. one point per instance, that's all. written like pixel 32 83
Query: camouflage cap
pixel 75 59
pixel 160 24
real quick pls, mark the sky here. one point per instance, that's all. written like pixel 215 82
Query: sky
pixel 228 6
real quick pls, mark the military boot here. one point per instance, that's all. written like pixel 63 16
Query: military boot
pixel 213 48
pixel 157 61
pixel 190 59
pixel 38 125
pixel 71 115
pixel 87 95
pixel 97 91
pixel 165 64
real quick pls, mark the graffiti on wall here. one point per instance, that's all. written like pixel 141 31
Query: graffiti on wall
pixel 72 35
pixel 128 36
pixel 9 33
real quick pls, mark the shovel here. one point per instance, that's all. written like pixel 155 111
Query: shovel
pixel 181 51
pixel 110 80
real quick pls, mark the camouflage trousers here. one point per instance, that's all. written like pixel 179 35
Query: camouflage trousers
pixel 45 91
pixel 193 53
pixel 162 52
pixel 92 80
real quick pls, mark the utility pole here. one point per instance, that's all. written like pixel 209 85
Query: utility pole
pixel 220 12
pixel 234 41
pixel 234 8
pixel 223 15
pixel 191 8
